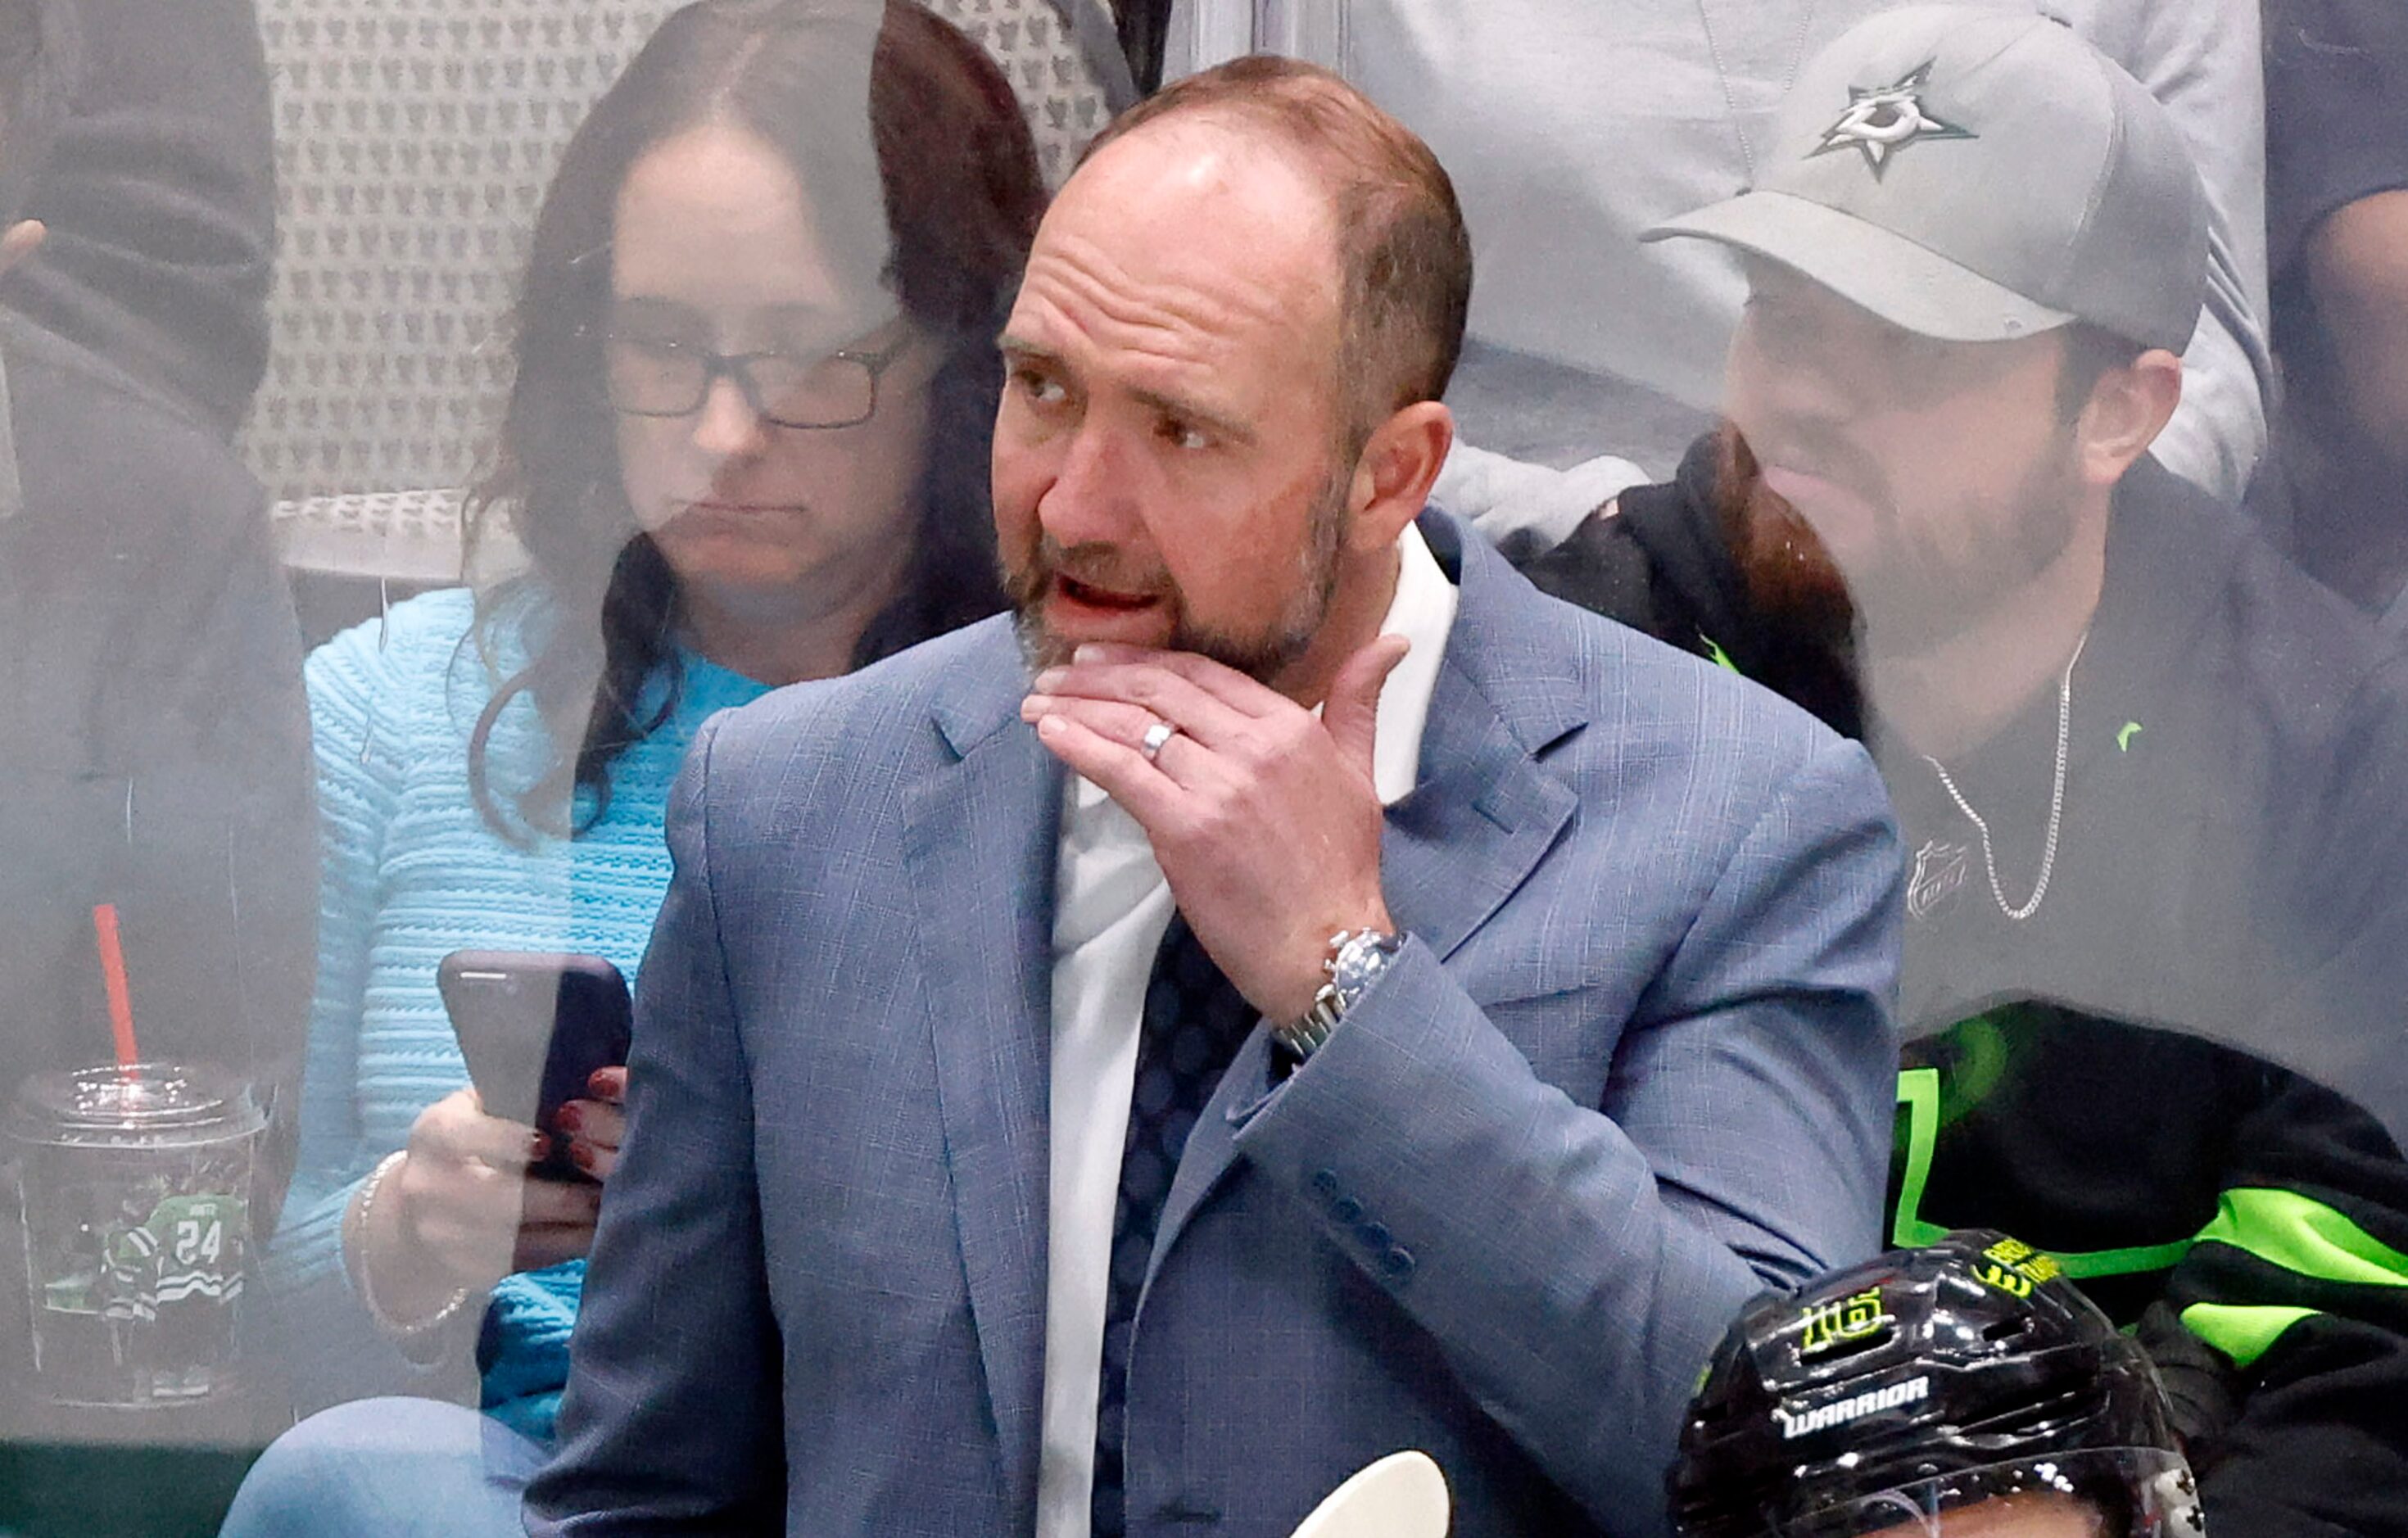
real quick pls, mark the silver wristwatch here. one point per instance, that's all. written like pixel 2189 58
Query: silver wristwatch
pixel 1355 960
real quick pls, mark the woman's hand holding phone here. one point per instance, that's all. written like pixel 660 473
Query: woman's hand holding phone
pixel 459 1210
pixel 595 1127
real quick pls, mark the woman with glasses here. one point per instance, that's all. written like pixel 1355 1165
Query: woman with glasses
pixel 746 445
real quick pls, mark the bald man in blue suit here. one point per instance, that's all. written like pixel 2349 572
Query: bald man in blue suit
pixel 1565 960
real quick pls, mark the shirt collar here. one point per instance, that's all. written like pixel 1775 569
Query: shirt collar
pixel 1422 611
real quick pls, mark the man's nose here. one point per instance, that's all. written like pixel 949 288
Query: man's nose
pixel 1808 387
pixel 1092 497
pixel 726 425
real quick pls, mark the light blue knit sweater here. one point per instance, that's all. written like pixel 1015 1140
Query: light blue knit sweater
pixel 412 873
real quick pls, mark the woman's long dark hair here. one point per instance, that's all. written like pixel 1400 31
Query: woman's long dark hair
pixel 962 194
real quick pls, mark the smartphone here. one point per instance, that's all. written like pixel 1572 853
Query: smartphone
pixel 533 1027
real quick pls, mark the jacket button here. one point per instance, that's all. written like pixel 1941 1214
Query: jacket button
pixel 1375 1236
pixel 1347 1211
pixel 1397 1262
pixel 1325 1184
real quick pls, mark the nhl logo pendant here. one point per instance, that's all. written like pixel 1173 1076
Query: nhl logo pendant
pixel 1940 871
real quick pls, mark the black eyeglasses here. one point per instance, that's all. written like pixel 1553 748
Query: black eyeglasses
pixel 663 376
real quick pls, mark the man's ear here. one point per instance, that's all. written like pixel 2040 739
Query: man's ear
pixel 1394 474
pixel 19 240
pixel 2128 408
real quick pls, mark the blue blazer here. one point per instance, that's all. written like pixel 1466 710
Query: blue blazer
pixel 1635 1064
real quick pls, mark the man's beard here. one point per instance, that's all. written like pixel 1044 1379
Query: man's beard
pixel 1790 577
pixel 1261 657
pixel 1913 591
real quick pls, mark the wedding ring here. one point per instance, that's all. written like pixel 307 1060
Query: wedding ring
pixel 1155 736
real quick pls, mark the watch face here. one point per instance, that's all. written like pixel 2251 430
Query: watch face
pixel 1360 961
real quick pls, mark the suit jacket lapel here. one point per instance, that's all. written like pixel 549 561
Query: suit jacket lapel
pixel 1472 831
pixel 980 839
pixel 1482 816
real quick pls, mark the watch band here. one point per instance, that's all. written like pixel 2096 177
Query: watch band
pixel 1357 958
pixel 1303 1038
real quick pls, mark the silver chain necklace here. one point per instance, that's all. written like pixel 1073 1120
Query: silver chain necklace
pixel 2055 800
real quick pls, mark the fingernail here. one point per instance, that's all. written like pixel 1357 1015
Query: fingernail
pixel 603 1081
pixel 1051 679
pixel 1087 652
pixel 1034 707
pixel 569 1119
pixel 1050 725
pixel 539 1146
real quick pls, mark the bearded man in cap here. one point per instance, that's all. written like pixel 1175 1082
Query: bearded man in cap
pixel 2150 976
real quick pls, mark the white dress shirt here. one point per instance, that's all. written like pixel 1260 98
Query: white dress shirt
pixel 1112 908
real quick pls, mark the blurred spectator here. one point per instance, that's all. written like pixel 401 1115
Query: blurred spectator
pixel 1571 126
pixel 2143 762
pixel 157 757
pixel 755 386
pixel 160 202
pixel 2337 228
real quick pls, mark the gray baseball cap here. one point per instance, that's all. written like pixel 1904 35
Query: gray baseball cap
pixel 1976 173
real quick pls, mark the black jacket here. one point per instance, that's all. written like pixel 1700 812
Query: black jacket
pixel 2140 1076
pixel 157 748
pixel 160 198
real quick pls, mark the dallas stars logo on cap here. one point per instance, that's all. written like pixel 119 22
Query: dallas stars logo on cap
pixel 1881 122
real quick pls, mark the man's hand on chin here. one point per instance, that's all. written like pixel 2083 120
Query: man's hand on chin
pixel 1263 817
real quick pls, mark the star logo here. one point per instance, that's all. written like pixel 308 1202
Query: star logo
pixel 1879 123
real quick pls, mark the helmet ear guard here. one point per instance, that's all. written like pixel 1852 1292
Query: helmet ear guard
pixel 1919 1382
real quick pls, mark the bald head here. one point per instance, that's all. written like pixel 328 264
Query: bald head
pixel 1389 223
pixel 1215 226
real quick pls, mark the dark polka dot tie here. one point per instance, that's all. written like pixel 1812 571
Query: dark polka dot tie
pixel 1194 1023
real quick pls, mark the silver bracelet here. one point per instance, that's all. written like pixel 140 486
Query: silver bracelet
pixel 396 1329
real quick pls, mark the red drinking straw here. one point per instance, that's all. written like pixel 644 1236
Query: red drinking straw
pixel 112 977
